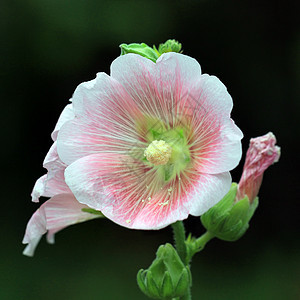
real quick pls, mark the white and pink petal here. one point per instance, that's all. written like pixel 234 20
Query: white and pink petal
pixel 55 214
pixel 133 195
pixel 66 115
pixel 35 229
pixel 208 191
pixel 106 119
pixel 121 187
pixel 53 182
pixel 39 189
pixel 216 149
pixel 157 88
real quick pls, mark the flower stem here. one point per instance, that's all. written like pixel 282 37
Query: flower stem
pixel 198 245
pixel 179 237
pixel 203 240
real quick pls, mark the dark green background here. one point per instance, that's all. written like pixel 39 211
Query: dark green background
pixel 48 47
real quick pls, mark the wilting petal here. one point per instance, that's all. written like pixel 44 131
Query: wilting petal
pixel 66 115
pixel 55 214
pixel 64 210
pixel 53 183
pixel 39 189
pixel 36 227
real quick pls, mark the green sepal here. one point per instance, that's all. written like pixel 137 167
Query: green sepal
pixel 153 289
pixel 239 211
pixel 191 247
pixel 215 218
pixel 186 276
pixel 93 211
pixel 142 283
pixel 229 220
pixel 141 49
pixel 167 286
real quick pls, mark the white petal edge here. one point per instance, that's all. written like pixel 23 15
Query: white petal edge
pixel 209 192
pixel 66 115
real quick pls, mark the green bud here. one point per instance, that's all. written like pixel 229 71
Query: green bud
pixel 169 46
pixel 167 277
pixel 228 220
pixel 141 49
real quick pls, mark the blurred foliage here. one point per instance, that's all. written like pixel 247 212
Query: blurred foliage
pixel 48 47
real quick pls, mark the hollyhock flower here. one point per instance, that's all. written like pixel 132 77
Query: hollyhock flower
pixel 62 209
pixel 261 154
pixel 151 143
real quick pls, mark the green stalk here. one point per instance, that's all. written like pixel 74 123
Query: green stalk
pixel 180 245
pixel 179 237
pixel 203 240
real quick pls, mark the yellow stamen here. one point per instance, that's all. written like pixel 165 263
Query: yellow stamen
pixel 158 152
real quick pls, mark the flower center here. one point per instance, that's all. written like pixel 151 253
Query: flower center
pixel 158 152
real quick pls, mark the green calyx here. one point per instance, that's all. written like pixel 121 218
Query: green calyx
pixel 167 277
pixel 151 53
pixel 228 220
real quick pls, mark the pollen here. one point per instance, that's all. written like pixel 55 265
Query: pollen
pixel 158 152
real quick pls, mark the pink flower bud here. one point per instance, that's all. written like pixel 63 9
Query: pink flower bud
pixel 261 154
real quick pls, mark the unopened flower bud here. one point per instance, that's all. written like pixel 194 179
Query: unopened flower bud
pixel 167 277
pixel 169 46
pixel 229 219
pixel 261 154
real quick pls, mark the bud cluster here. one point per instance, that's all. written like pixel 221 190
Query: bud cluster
pixel 167 277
